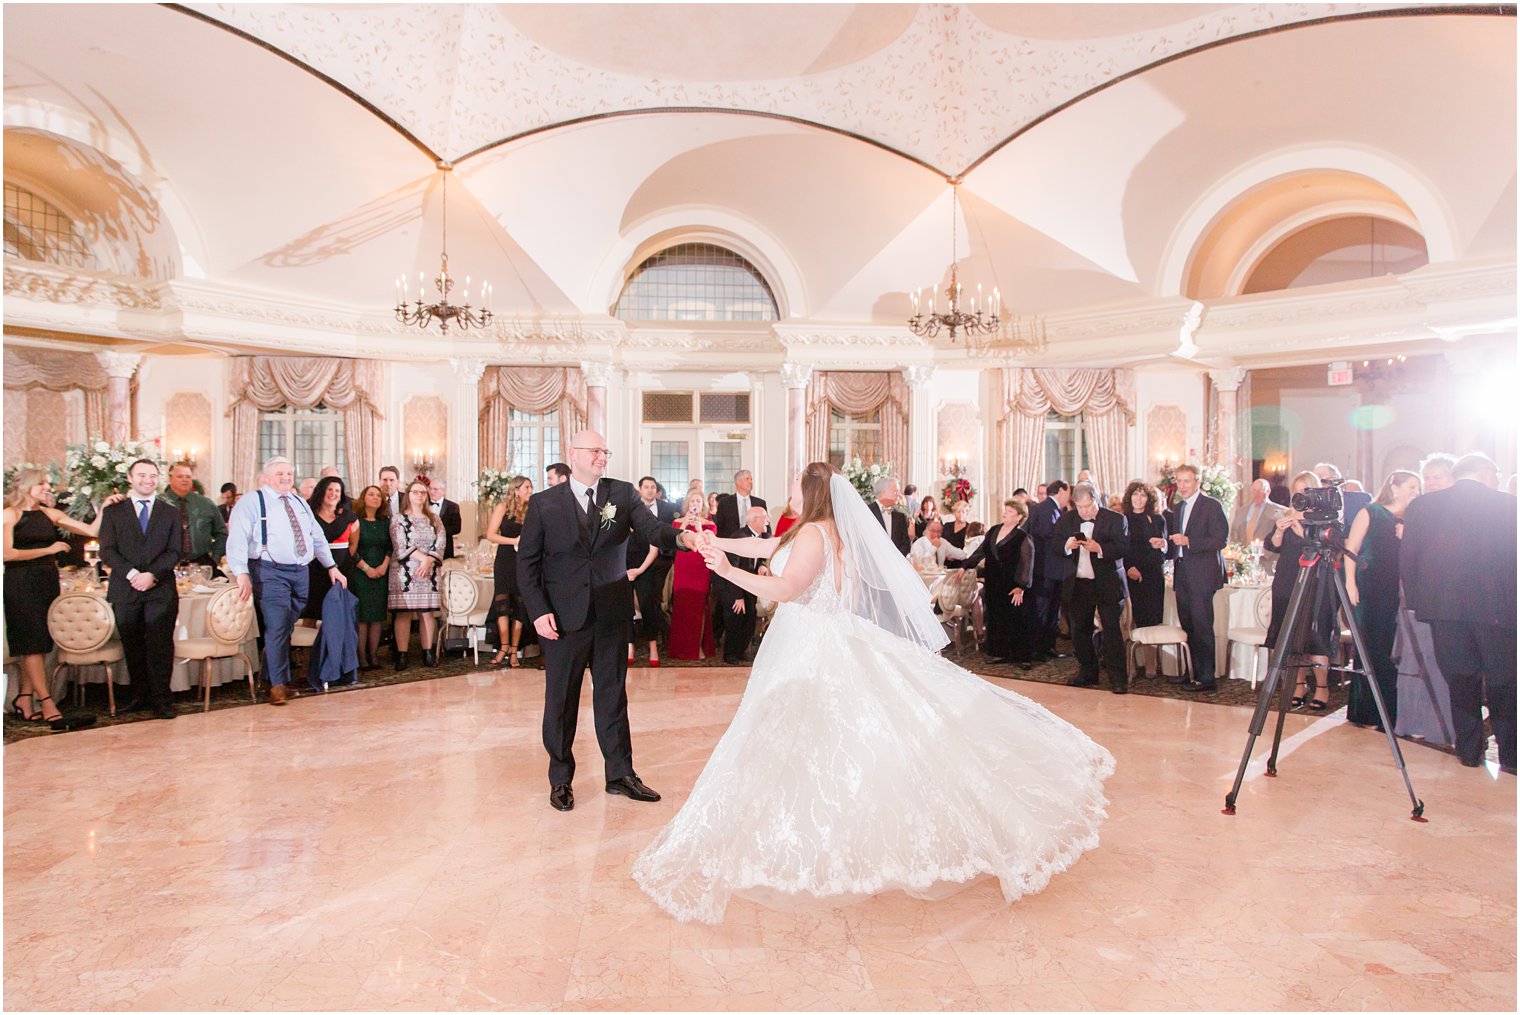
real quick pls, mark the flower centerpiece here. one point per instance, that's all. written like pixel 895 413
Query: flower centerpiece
pixel 1215 481
pixel 1242 564
pixel 863 478
pixel 96 469
pixel 54 474
pixel 493 485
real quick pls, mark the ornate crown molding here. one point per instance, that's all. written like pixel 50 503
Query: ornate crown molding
pixel 45 283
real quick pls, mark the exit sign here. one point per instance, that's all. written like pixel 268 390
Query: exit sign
pixel 1340 373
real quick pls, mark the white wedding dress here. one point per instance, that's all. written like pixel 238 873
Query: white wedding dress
pixel 860 762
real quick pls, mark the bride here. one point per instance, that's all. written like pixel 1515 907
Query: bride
pixel 860 761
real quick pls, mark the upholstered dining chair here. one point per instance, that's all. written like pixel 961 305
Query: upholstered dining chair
pixel 229 618
pixel 1255 634
pixel 1158 635
pixel 84 630
pixel 460 601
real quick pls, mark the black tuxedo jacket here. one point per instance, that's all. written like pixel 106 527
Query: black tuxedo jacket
pixel 1201 565
pixel 730 525
pixel 1457 557
pixel 1112 535
pixel 899 528
pixel 124 546
pixel 564 569
pixel 1049 558
pixel 727 590
pixel 448 514
pixel 638 546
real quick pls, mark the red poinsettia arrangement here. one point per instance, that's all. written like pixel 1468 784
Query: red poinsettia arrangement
pixel 956 489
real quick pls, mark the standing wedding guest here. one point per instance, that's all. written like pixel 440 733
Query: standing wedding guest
pixel 1322 633
pixel 308 485
pixel 140 540
pixel 31 554
pixel 1049 566
pixel 1041 491
pixel 390 485
pixel 555 474
pixel 1144 556
pixel 229 498
pixel 1086 476
pixel 691 631
pixel 505 530
pixel 1372 582
pixel 1197 534
pixel 712 507
pixel 933 548
pixel 732 514
pixel 956 532
pixel 1255 519
pixel 1457 562
pixel 1094 541
pixel 1008 552
pixel 369 547
pixel 203 531
pixel 417 540
pixel 447 512
pixel 928 511
pixel 1352 501
pixel 1352 486
pixel 648 565
pixel 735 605
pixel 271 538
pixel 329 503
pixel 883 509
pixel 328 471
pixel 1435 472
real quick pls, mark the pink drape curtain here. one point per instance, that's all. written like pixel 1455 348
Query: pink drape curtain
pixel 1104 398
pixel 264 383
pixel 859 393
pixel 54 370
pixel 527 389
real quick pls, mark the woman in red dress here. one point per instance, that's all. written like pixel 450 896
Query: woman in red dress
pixel 691 633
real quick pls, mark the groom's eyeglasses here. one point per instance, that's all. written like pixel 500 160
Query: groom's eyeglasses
pixel 596 452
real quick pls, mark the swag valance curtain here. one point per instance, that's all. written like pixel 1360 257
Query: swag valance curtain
pixel 859 393
pixel 265 383
pixel 55 370
pixel 1104 398
pixel 527 389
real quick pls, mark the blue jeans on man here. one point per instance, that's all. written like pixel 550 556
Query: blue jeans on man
pixel 279 592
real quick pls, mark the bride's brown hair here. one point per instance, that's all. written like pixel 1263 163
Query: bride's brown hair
pixel 817 505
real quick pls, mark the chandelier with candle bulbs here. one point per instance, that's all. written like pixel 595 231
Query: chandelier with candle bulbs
pixel 416 312
pixel 982 320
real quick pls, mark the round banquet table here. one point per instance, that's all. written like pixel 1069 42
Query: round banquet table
pixel 1234 606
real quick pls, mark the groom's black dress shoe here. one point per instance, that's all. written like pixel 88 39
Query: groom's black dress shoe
pixel 630 786
pixel 561 799
pixel 1082 681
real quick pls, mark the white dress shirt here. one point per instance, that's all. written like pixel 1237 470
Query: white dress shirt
pixel 1183 516
pixel 245 533
pixel 926 554
pixel 579 489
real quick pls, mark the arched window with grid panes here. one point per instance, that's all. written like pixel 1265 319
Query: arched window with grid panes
pixel 696 282
pixel 38 230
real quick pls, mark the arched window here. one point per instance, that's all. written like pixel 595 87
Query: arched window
pixel 38 231
pixel 1340 249
pixel 696 282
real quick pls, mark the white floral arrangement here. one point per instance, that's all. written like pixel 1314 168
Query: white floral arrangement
pixel 1215 481
pixel 96 469
pixel 54 474
pixel 863 478
pixel 493 485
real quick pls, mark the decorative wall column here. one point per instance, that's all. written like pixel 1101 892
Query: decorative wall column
pixel 119 368
pixel 794 378
pixel 1226 428
pixel 598 376
pixel 922 468
pixel 464 445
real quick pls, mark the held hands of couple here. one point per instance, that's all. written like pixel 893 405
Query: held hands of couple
pixel 717 560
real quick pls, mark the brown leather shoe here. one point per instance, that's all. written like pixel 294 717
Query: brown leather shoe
pixel 277 694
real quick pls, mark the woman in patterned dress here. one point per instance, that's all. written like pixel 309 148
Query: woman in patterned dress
pixel 417 541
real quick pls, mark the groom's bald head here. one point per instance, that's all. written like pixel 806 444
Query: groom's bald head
pixel 588 456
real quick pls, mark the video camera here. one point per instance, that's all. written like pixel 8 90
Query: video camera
pixel 1320 504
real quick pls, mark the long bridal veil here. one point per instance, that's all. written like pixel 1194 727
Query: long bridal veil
pixel 879 583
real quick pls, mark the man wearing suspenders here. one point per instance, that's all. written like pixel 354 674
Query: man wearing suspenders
pixel 271 538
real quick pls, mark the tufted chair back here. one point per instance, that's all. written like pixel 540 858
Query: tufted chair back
pixel 80 622
pixel 1264 611
pixel 228 618
pixel 460 595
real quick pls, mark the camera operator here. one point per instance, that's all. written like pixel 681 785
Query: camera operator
pixel 1457 562
pixel 1289 534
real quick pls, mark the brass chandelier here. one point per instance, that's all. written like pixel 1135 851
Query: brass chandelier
pixel 416 312
pixel 981 321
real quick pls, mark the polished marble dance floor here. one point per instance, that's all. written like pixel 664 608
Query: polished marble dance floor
pixel 394 849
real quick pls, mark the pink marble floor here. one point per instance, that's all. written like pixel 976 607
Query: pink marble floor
pixel 394 849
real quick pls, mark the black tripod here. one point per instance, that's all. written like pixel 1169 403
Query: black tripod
pixel 1319 570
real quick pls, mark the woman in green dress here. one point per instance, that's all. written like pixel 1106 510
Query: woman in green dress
pixel 369 549
pixel 1372 582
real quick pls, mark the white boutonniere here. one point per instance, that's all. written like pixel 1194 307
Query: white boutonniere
pixel 609 514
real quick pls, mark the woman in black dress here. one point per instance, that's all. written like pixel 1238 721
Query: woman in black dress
pixel 31 555
pixel 329 502
pixel 928 511
pixel 956 530
pixel 1372 582
pixel 1142 558
pixel 1287 540
pixel 1009 554
pixel 504 529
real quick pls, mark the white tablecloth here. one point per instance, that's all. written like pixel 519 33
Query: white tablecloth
pixel 1234 606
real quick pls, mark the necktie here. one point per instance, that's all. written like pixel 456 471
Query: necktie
pixel 295 526
pixel 184 530
pixel 142 516
pixel 1186 507
pixel 1251 517
pixel 590 508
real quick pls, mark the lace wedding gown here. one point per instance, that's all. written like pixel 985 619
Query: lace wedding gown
pixel 859 762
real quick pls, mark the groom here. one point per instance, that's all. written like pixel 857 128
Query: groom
pixel 573 578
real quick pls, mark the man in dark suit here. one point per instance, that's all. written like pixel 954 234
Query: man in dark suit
pixel 1352 501
pixel 735 604
pixel 140 543
pixel 447 512
pixel 893 521
pixel 1093 540
pixel 733 508
pixel 1049 567
pixel 1457 563
pixel 1200 532
pixel 572 573
pixel 647 573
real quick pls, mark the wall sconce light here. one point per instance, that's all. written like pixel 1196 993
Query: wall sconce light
pixel 188 457
pixel 423 462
